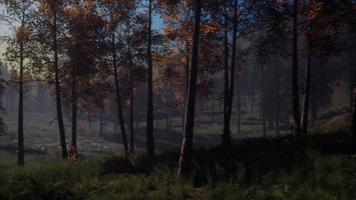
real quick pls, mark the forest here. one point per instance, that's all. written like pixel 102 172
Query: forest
pixel 177 99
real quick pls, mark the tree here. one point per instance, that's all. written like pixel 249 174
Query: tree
pixel 112 9
pixel 185 159
pixel 49 28
pixel 354 122
pixel 84 50
pixel 2 109
pixel 149 131
pixel 18 52
pixel 230 96
pixel 295 65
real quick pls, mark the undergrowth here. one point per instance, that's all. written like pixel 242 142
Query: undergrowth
pixel 260 169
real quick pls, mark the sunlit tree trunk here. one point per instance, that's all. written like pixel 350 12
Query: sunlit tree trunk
pixel 185 158
pixel 150 140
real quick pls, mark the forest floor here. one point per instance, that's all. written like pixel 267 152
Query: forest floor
pixel 259 168
pixel 255 168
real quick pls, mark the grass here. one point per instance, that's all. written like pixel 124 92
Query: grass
pixel 259 168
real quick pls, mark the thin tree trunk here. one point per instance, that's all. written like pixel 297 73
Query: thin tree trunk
pixel 295 82
pixel 352 78
pixel 263 103
pixel 307 87
pixel 354 122
pixel 277 98
pixel 118 96
pixel 74 149
pixel 238 108
pixel 101 122
pixel 227 134
pixel 89 121
pixel 186 68
pixel 62 134
pixel 185 158
pixel 150 140
pixel 131 138
pixel 21 151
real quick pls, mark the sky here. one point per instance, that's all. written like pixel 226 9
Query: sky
pixel 4 29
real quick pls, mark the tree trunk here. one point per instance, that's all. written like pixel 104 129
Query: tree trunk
pixel 74 151
pixel 185 159
pixel 21 151
pixel 307 88
pixel 352 78
pixel 227 133
pixel 295 82
pixel 238 108
pixel 186 68
pixel 277 98
pixel 354 122
pixel 62 134
pixel 263 106
pixel 89 121
pixel 101 133
pixel 131 138
pixel 150 140
pixel 118 96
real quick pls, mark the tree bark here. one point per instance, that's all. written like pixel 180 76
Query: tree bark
pixel 307 88
pixel 354 122
pixel 21 151
pixel 118 96
pixel 62 134
pixel 227 133
pixel 150 140
pixel 186 81
pixel 352 78
pixel 295 82
pixel 101 133
pixel 263 103
pixel 185 159
pixel 132 135
pixel 277 98
pixel 74 151
pixel 238 108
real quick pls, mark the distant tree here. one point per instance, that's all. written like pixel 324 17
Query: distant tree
pixel 2 109
pixel 230 96
pixel 149 131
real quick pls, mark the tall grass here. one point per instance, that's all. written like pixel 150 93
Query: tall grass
pixel 267 169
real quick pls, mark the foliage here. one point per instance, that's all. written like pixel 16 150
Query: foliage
pixel 248 171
